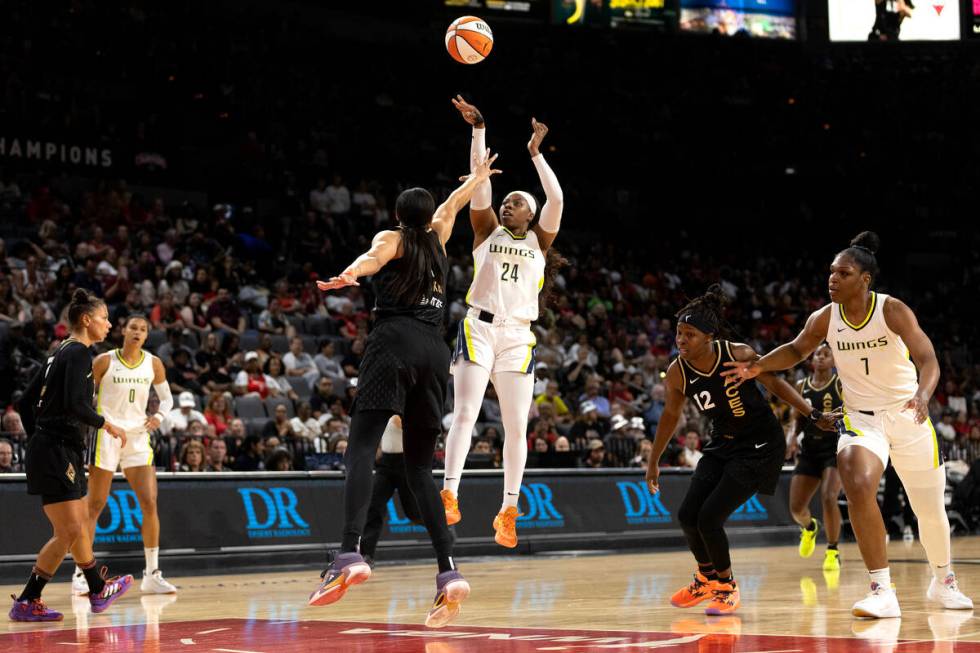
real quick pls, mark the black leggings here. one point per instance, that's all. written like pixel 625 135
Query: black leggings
pixel 367 427
pixel 710 500
pixel 389 477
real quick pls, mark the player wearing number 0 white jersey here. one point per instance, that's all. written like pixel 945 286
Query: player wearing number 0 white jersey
pixel 495 341
pixel 122 379
pixel 888 368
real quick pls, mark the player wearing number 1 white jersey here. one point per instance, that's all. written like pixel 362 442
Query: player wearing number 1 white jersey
pixel 495 341
pixel 888 369
pixel 123 378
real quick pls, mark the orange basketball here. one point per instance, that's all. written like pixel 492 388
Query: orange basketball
pixel 469 40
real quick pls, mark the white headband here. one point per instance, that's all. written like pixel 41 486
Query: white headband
pixel 529 198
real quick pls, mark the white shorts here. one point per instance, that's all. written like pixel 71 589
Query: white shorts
pixel 108 453
pixel 501 346
pixel 912 447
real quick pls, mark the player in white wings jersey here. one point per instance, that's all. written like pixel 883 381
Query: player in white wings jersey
pixel 888 368
pixel 495 341
pixel 122 380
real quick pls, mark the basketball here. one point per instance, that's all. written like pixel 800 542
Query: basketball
pixel 469 40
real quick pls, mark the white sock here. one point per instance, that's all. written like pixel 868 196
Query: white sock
pixel 469 385
pixel 881 576
pixel 516 392
pixel 152 559
pixel 941 571
pixel 510 501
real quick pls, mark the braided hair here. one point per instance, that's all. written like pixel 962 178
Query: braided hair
pixel 705 313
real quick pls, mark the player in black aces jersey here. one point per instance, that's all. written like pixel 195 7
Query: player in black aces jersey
pixel 816 466
pixel 745 453
pixel 404 372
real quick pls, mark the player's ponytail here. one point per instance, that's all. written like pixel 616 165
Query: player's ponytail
pixel 706 313
pixel 82 303
pixel 554 262
pixel 862 251
pixel 420 246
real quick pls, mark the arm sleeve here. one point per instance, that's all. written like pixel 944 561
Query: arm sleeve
pixel 78 397
pixel 166 398
pixel 551 211
pixel 483 195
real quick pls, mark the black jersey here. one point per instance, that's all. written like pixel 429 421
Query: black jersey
pixel 430 309
pixel 738 411
pixel 826 399
pixel 59 397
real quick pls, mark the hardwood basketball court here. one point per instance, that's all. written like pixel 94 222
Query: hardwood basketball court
pixel 568 602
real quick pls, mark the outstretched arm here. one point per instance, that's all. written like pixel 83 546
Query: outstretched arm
pixel 790 354
pixel 483 218
pixel 445 216
pixel 384 247
pixel 550 221
pixel 900 319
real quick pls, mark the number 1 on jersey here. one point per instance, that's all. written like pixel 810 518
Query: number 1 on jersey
pixel 509 271
pixel 866 370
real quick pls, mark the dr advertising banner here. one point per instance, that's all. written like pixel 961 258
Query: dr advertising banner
pixel 232 511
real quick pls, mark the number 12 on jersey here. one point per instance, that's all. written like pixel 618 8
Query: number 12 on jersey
pixel 703 400
pixel 509 273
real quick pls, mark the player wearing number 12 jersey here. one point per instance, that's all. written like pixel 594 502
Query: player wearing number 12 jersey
pixel 744 456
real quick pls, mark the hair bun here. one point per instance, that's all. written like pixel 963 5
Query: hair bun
pixel 716 295
pixel 80 296
pixel 868 240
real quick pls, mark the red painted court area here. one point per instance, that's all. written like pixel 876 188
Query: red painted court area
pixel 261 636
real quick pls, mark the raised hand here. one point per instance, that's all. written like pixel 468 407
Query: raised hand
pixel 469 112
pixel 538 131
pixel 344 279
pixel 483 169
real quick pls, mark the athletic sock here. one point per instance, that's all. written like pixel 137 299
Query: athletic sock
pixel 445 563
pixel 152 559
pixel 35 585
pixel 941 572
pixel 812 526
pixel 728 580
pixel 451 484
pixel 95 581
pixel 708 571
pixel 832 547
pixel 510 500
pixel 881 576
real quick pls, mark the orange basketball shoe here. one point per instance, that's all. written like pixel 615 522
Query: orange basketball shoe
pixel 726 599
pixel 505 523
pixel 451 505
pixel 699 590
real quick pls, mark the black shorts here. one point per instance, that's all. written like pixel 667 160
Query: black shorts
pixel 55 469
pixel 405 370
pixel 812 463
pixel 755 462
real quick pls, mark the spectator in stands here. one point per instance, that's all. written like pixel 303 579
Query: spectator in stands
pixel 691 453
pixel 352 361
pixel 945 428
pixel 217 453
pixel 619 445
pixel 338 198
pixel 643 449
pixel 274 320
pixel 553 396
pixel 279 460
pixel 320 198
pixel 192 457
pixel 175 342
pixel 299 363
pixel 224 314
pixel 165 315
pixel 207 349
pixel 592 394
pixel 181 373
pixel 279 425
pixel 218 413
pixel 180 417
pixel 12 426
pixel 193 316
pixel 578 368
pixel 656 408
pixel 198 429
pixel 274 369
pixel 587 427
pixel 596 456
pixel 250 459
pixel 543 429
pixel 253 381
pixel 235 435
pixel 214 378
pixel 264 349
pixel 7 465
pixel 327 362
pixel 323 397
pixel 335 426
pixel 304 425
